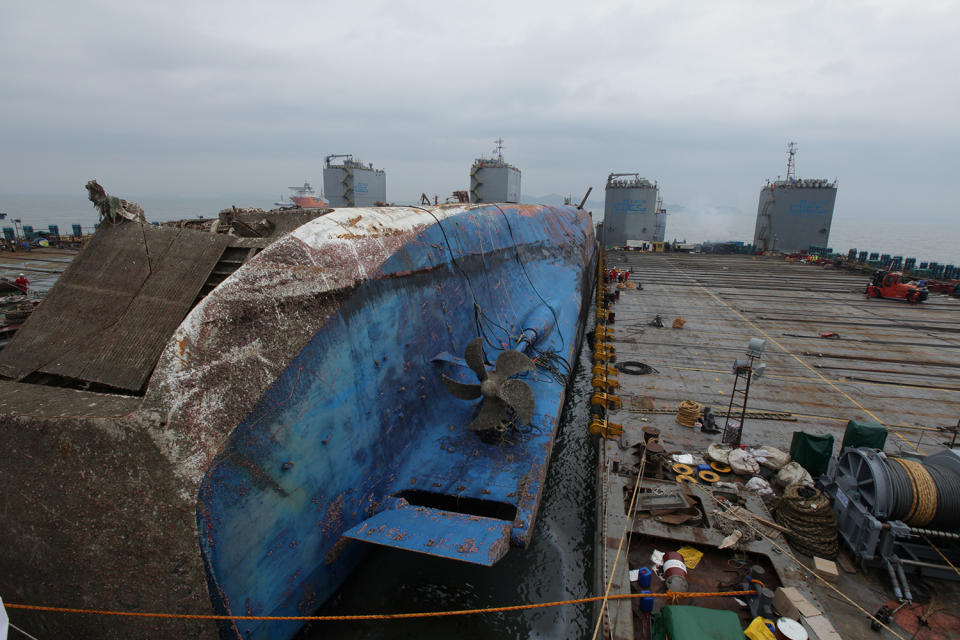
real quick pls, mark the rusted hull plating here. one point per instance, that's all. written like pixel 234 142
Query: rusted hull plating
pixel 356 434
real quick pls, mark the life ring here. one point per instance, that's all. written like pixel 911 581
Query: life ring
pixel 708 476
pixel 719 467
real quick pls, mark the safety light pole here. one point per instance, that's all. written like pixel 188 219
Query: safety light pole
pixel 745 371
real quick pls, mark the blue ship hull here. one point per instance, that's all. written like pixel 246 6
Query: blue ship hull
pixel 357 441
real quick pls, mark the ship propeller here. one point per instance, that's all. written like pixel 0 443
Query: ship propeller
pixel 500 394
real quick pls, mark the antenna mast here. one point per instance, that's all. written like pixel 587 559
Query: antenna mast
pixel 499 142
pixel 791 169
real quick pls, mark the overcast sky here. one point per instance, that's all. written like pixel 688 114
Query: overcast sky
pixel 234 97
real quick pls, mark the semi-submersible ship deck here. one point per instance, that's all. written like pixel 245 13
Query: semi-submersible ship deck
pixel 832 355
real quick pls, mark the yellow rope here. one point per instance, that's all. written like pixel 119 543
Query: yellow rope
pixel 816 373
pixel 766 335
pixel 376 616
pixel 688 412
pixel 945 559
pixel 787 553
pixel 924 506
pixel 623 536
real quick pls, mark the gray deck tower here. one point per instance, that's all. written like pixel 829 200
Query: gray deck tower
pixel 632 211
pixel 794 214
pixel 353 183
pixel 493 180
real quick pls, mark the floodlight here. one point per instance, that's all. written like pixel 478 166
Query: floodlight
pixel 755 348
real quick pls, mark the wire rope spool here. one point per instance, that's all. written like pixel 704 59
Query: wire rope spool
pixel 686 478
pixel 709 476
pixel 919 494
pixel 948 496
pixel 863 472
pixel 682 469
pixel 924 501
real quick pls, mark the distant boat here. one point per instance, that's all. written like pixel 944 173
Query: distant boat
pixel 304 197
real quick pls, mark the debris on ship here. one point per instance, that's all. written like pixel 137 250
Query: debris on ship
pixel 221 416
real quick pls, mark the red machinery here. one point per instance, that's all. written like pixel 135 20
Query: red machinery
pixel 893 285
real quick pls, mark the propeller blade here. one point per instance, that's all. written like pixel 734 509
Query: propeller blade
pixel 510 363
pixel 519 396
pixel 474 358
pixel 492 411
pixel 461 390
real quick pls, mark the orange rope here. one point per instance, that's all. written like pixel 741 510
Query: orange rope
pixel 673 595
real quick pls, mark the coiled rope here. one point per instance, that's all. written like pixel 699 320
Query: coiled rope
pixel 688 413
pixel 923 497
pixel 806 512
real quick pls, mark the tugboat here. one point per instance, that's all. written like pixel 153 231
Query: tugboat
pixel 304 197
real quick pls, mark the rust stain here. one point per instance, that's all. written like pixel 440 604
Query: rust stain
pixel 469 546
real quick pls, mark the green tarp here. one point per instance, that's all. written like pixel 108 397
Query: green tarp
pixel 678 622
pixel 812 452
pixel 864 434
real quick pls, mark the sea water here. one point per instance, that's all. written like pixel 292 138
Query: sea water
pixel 923 237
pixel 557 565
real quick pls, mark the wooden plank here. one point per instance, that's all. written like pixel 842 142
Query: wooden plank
pixel 110 315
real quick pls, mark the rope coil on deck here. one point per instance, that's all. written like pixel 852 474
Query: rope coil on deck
pixel 688 413
pixel 806 512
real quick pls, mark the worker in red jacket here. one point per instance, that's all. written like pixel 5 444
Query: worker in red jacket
pixel 22 283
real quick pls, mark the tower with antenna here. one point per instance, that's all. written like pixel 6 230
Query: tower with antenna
pixel 791 168
pixel 794 214
pixel 632 212
pixel 494 180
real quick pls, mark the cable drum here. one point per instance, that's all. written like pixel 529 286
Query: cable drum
pixel 918 494
pixel 924 499
pixel 948 497
pixel 901 494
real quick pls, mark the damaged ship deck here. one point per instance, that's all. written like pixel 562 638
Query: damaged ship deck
pixel 890 362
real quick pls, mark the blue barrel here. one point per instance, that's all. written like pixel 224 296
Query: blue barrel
pixel 54 230
pixel 862 256
pixel 937 271
pixel 909 264
pixel 874 256
pixel 28 232
pixel 949 272
pixel 77 230
pixel 9 234
pixel 924 266
pixel 852 254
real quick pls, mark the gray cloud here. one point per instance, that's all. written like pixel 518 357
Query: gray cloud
pixel 248 97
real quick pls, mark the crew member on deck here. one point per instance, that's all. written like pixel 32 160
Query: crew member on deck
pixel 22 283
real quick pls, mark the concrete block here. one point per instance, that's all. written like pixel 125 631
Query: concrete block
pixel 820 628
pixel 790 603
pixel 827 569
